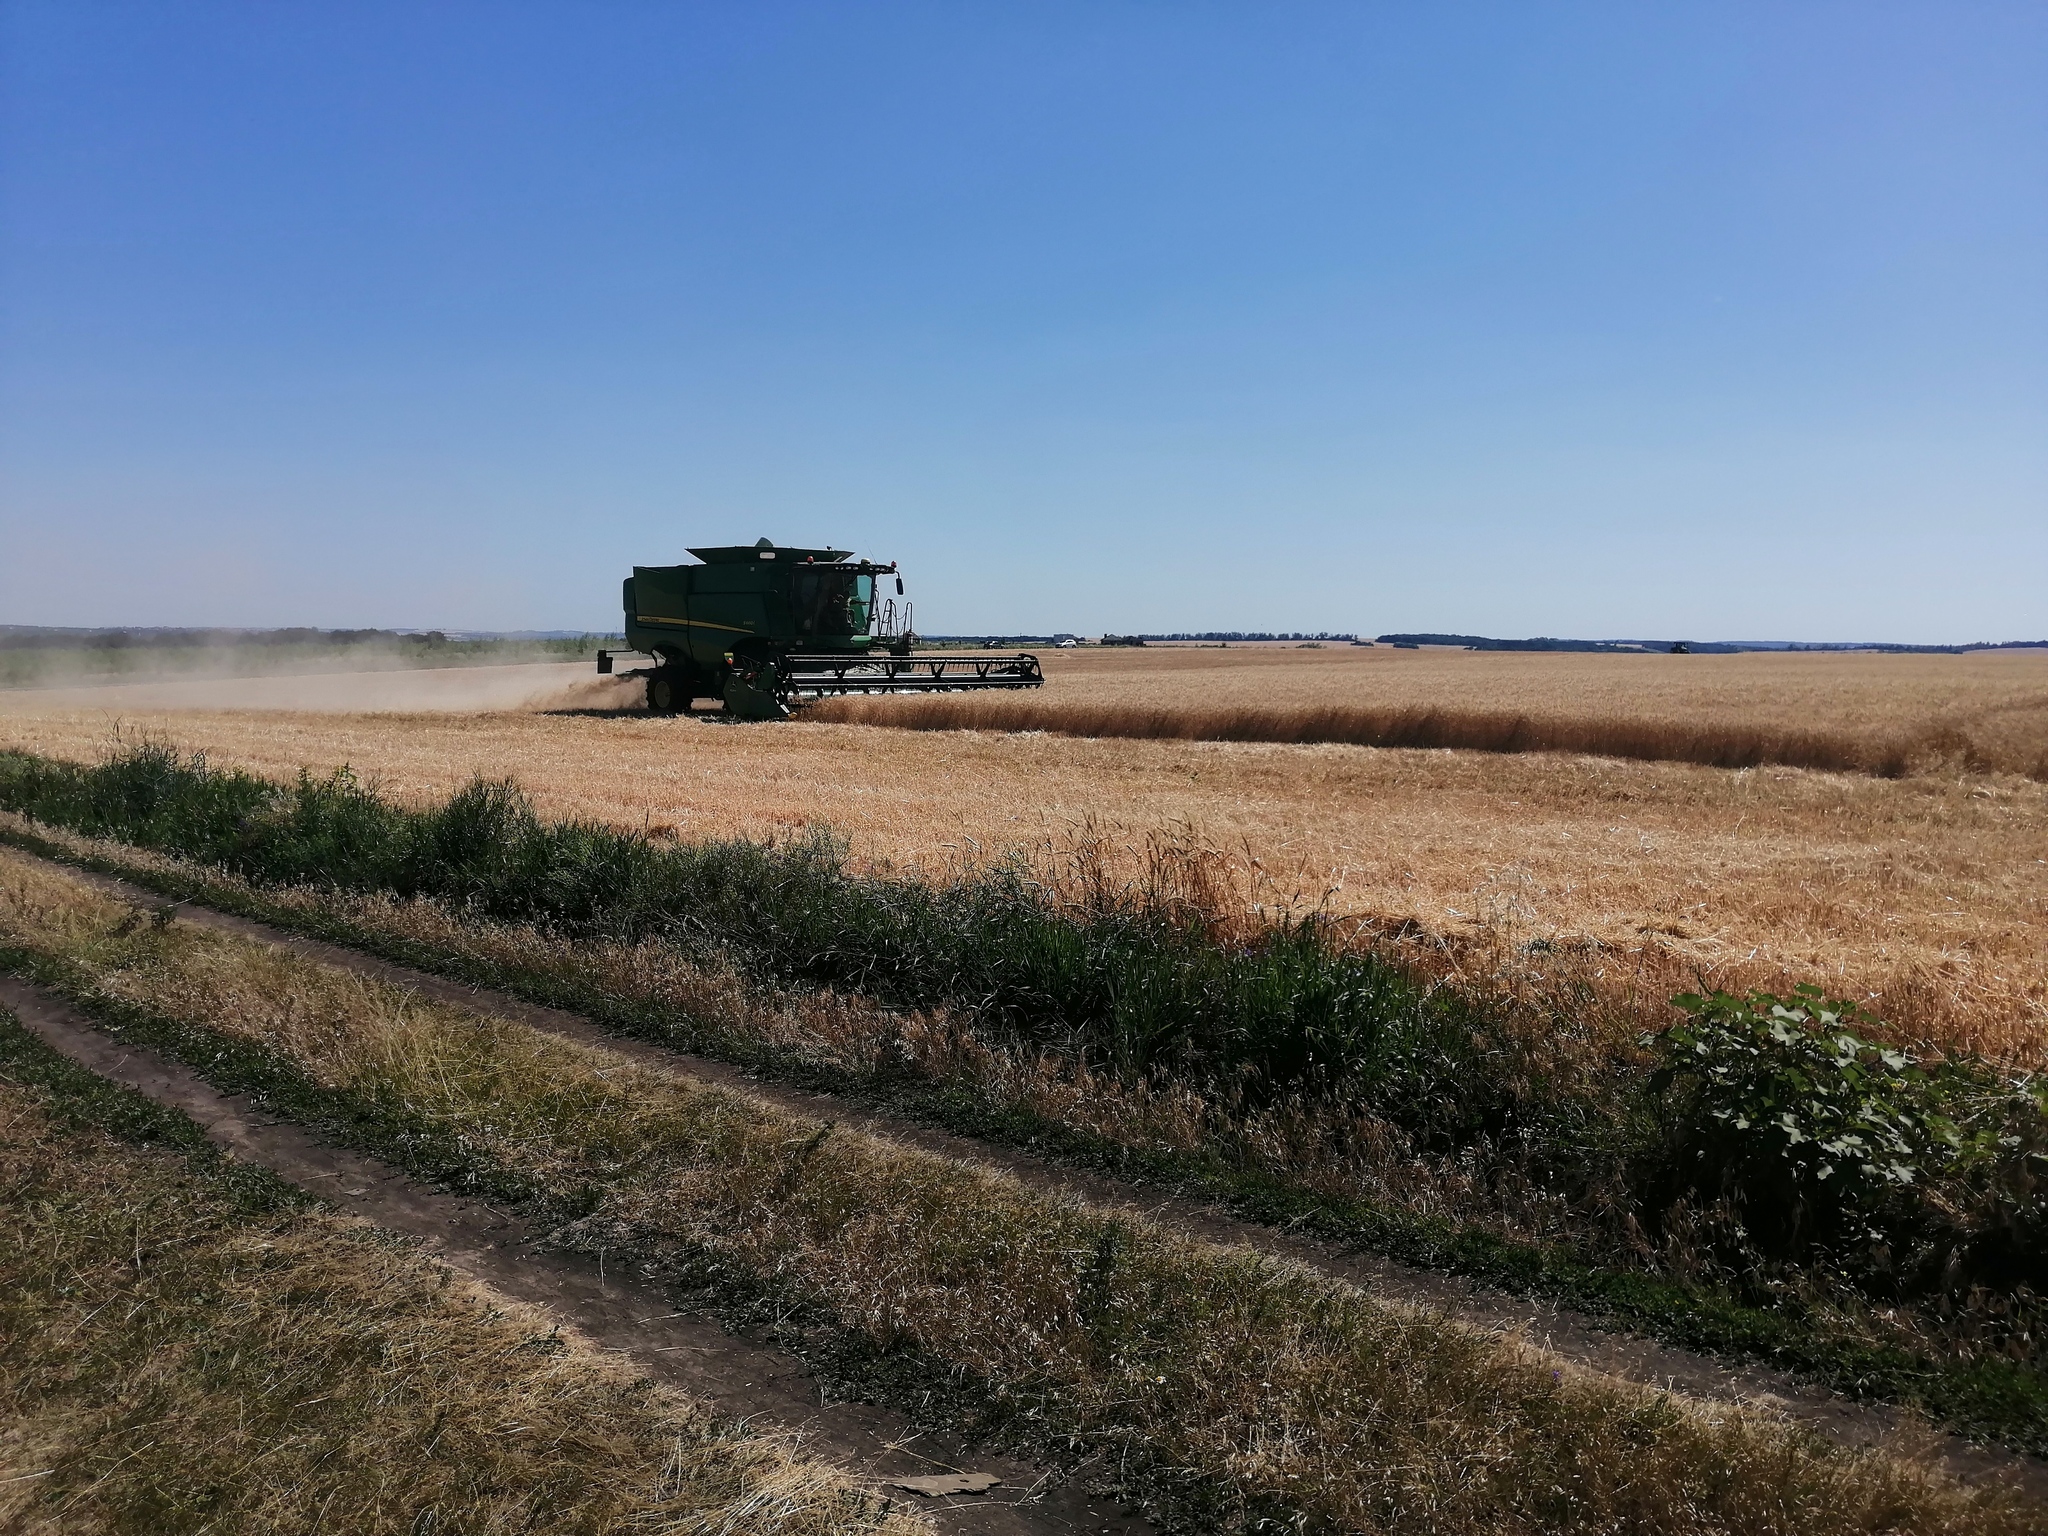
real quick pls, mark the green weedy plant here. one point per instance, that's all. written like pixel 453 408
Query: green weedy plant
pixel 1127 979
pixel 1821 1135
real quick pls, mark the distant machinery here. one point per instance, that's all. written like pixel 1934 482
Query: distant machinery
pixel 765 627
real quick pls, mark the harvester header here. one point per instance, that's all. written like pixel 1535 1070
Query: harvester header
pixel 765 627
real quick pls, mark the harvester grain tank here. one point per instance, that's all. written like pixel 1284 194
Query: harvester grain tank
pixel 765 627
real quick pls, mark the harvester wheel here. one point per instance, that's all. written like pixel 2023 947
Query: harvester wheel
pixel 661 694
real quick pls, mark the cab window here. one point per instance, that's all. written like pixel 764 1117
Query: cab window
pixel 829 602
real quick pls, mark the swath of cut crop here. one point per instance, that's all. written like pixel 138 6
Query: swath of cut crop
pixel 1714 746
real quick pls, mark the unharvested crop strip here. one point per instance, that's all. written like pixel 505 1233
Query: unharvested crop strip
pixel 1719 746
pixel 1275 1390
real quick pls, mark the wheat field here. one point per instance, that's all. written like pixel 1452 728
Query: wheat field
pixel 1865 712
pixel 1926 895
pixel 1787 689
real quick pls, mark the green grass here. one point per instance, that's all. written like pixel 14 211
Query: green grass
pixel 1128 980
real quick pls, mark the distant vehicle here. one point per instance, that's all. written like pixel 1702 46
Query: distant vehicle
pixel 765 627
pixel 1067 644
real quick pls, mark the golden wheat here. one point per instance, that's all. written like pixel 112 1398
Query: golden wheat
pixel 1927 897
pixel 2002 695
pixel 1869 714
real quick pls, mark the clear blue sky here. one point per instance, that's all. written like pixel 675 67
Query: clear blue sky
pixel 1713 320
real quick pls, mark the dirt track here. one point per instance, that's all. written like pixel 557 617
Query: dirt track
pixel 617 1310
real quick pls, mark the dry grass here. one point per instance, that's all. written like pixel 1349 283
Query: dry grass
pixel 1925 896
pixel 1294 1392
pixel 174 1357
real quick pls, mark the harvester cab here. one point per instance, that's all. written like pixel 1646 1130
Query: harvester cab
pixel 766 628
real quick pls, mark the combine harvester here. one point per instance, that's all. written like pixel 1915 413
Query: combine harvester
pixel 765 628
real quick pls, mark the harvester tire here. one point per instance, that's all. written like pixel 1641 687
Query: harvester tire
pixel 662 694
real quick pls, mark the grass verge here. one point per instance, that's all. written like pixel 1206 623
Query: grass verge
pixel 1344 1178
pixel 188 1345
pixel 1146 978
pixel 1233 1390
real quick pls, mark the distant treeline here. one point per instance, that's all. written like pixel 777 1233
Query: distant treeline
pixel 1250 634
pixel 1724 647
pixel 1545 643
pixel 986 642
pixel 1911 650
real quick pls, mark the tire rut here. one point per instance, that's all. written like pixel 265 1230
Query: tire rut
pixel 613 1307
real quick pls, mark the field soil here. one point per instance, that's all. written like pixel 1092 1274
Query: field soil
pixel 1924 896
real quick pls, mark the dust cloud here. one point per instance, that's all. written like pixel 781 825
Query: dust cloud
pixel 440 690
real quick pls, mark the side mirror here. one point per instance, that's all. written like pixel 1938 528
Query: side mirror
pixel 899 586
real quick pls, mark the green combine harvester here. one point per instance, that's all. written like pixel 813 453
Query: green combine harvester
pixel 764 628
